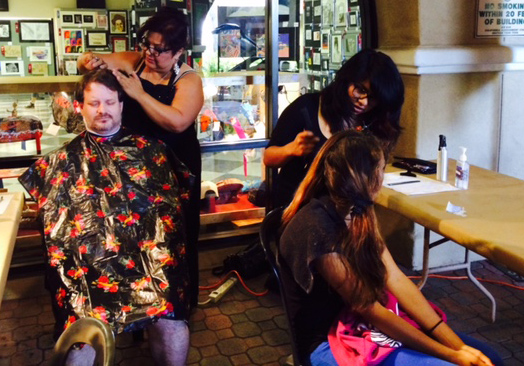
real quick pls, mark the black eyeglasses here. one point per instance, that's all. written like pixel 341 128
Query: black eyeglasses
pixel 360 92
pixel 155 51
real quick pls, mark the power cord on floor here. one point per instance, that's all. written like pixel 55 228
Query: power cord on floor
pixel 465 278
pixel 218 295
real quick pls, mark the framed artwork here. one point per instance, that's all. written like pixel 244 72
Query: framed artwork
pixel 96 39
pixel 101 21
pixel 353 19
pixel 351 44
pixel 308 12
pixel 73 42
pixel 78 19
pixel 180 4
pixel 327 12
pixel 42 54
pixel 325 64
pixel 89 20
pixel 336 48
pixel 353 2
pixel 4 6
pixel 119 44
pixel 11 51
pixel 36 30
pixel 70 67
pixel 5 30
pixel 12 68
pixel 324 44
pixel 39 68
pixel 229 43
pixel 118 21
pixel 287 43
pixel 141 15
pixel 67 19
pixel 141 4
pixel 341 8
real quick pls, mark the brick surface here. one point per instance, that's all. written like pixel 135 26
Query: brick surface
pixel 275 337
pixel 218 322
pixel 263 354
pixel 203 338
pixel 246 329
pixel 232 346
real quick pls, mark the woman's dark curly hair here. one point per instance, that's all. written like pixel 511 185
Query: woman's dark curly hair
pixel 387 88
pixel 171 24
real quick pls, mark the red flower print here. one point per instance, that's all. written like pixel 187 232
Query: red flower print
pixel 112 191
pixel 104 173
pixel 166 187
pixel 90 156
pixel 42 201
pixel 126 308
pixel 112 244
pixel 70 320
pixel 141 284
pixel 101 214
pixel 164 285
pixel 118 155
pixel 82 249
pixel 49 228
pixel 169 225
pixel 166 259
pixel 60 296
pixel 147 244
pixel 62 155
pixel 41 165
pixel 60 179
pixel 55 255
pixel 77 273
pixel 106 284
pixel 160 159
pixel 131 195
pixel 137 175
pixel 141 142
pixel 83 187
pixel 156 199
pixel 78 226
pixel 130 264
pixel 100 313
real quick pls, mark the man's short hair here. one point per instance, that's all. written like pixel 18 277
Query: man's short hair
pixel 101 76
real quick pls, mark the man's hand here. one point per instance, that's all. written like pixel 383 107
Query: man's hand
pixel 304 143
pixel 131 84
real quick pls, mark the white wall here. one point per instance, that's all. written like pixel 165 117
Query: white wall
pixel 44 8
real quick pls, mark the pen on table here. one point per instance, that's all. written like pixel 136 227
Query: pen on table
pixel 399 183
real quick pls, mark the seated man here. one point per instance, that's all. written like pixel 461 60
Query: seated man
pixel 111 208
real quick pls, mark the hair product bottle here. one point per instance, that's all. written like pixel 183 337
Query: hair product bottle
pixel 462 171
pixel 442 159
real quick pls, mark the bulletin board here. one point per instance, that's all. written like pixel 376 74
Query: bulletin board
pixel 28 47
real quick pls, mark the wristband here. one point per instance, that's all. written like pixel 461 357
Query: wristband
pixel 435 326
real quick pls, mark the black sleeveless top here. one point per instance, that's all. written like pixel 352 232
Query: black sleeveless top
pixel 185 144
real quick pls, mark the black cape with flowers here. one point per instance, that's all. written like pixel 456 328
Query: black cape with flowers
pixel 113 221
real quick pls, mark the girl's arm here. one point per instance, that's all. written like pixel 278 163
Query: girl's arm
pixel 121 60
pixel 332 268
pixel 184 108
pixel 303 144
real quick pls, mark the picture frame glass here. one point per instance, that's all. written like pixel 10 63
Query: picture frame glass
pixel 35 31
pixel 118 22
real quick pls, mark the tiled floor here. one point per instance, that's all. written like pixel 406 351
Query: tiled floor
pixel 246 330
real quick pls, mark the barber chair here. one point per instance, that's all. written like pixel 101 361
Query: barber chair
pixel 269 238
pixel 91 331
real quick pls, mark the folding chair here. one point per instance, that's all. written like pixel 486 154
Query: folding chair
pixel 91 331
pixel 269 237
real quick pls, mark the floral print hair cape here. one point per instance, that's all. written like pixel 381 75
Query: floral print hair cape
pixel 113 224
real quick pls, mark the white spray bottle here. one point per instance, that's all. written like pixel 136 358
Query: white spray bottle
pixel 462 171
pixel 442 159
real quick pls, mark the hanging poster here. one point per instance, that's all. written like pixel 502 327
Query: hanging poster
pixel 12 51
pixel 39 54
pixel 497 18
pixel 229 41
pixel 73 41
pixel 39 68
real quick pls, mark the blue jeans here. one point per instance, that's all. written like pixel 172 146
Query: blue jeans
pixel 322 355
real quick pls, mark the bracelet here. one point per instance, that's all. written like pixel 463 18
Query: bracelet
pixel 435 326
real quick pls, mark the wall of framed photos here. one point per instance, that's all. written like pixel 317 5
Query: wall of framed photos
pixel 332 34
pixel 27 47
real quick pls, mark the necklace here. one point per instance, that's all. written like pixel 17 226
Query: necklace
pixel 158 81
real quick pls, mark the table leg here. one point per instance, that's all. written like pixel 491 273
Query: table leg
pixel 481 288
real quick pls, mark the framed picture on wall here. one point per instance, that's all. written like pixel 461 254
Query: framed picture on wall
pixel 287 44
pixel 351 44
pixel 78 19
pixel 12 68
pixel 5 30
pixel 119 44
pixel 324 44
pixel 336 48
pixel 118 21
pixel 96 39
pixel 327 12
pixel 4 6
pixel 141 4
pixel 73 42
pixel 36 30
pixel 89 20
pixel 101 21
pixel 39 68
pixel 341 8
pixel 42 54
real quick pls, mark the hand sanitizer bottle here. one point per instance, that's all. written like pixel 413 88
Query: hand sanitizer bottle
pixel 442 159
pixel 462 171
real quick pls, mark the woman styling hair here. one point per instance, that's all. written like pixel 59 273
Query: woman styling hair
pixel 164 96
pixel 366 94
pixel 333 259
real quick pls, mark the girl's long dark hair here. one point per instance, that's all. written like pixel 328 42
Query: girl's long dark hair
pixel 172 24
pixel 387 89
pixel 347 169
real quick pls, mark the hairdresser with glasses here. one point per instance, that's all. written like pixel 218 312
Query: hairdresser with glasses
pixel 164 96
pixel 366 95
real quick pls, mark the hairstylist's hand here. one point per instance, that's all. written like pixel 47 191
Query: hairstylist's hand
pixel 470 356
pixel 304 143
pixel 92 62
pixel 131 84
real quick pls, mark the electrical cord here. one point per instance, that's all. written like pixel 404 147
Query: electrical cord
pixel 465 278
pixel 224 279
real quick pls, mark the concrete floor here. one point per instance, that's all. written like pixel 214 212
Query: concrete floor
pixel 246 330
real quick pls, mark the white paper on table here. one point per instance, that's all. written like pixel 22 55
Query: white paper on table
pixel 418 185
pixel 4 202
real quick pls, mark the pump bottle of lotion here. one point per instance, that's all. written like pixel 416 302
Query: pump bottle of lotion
pixel 462 171
pixel 442 159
